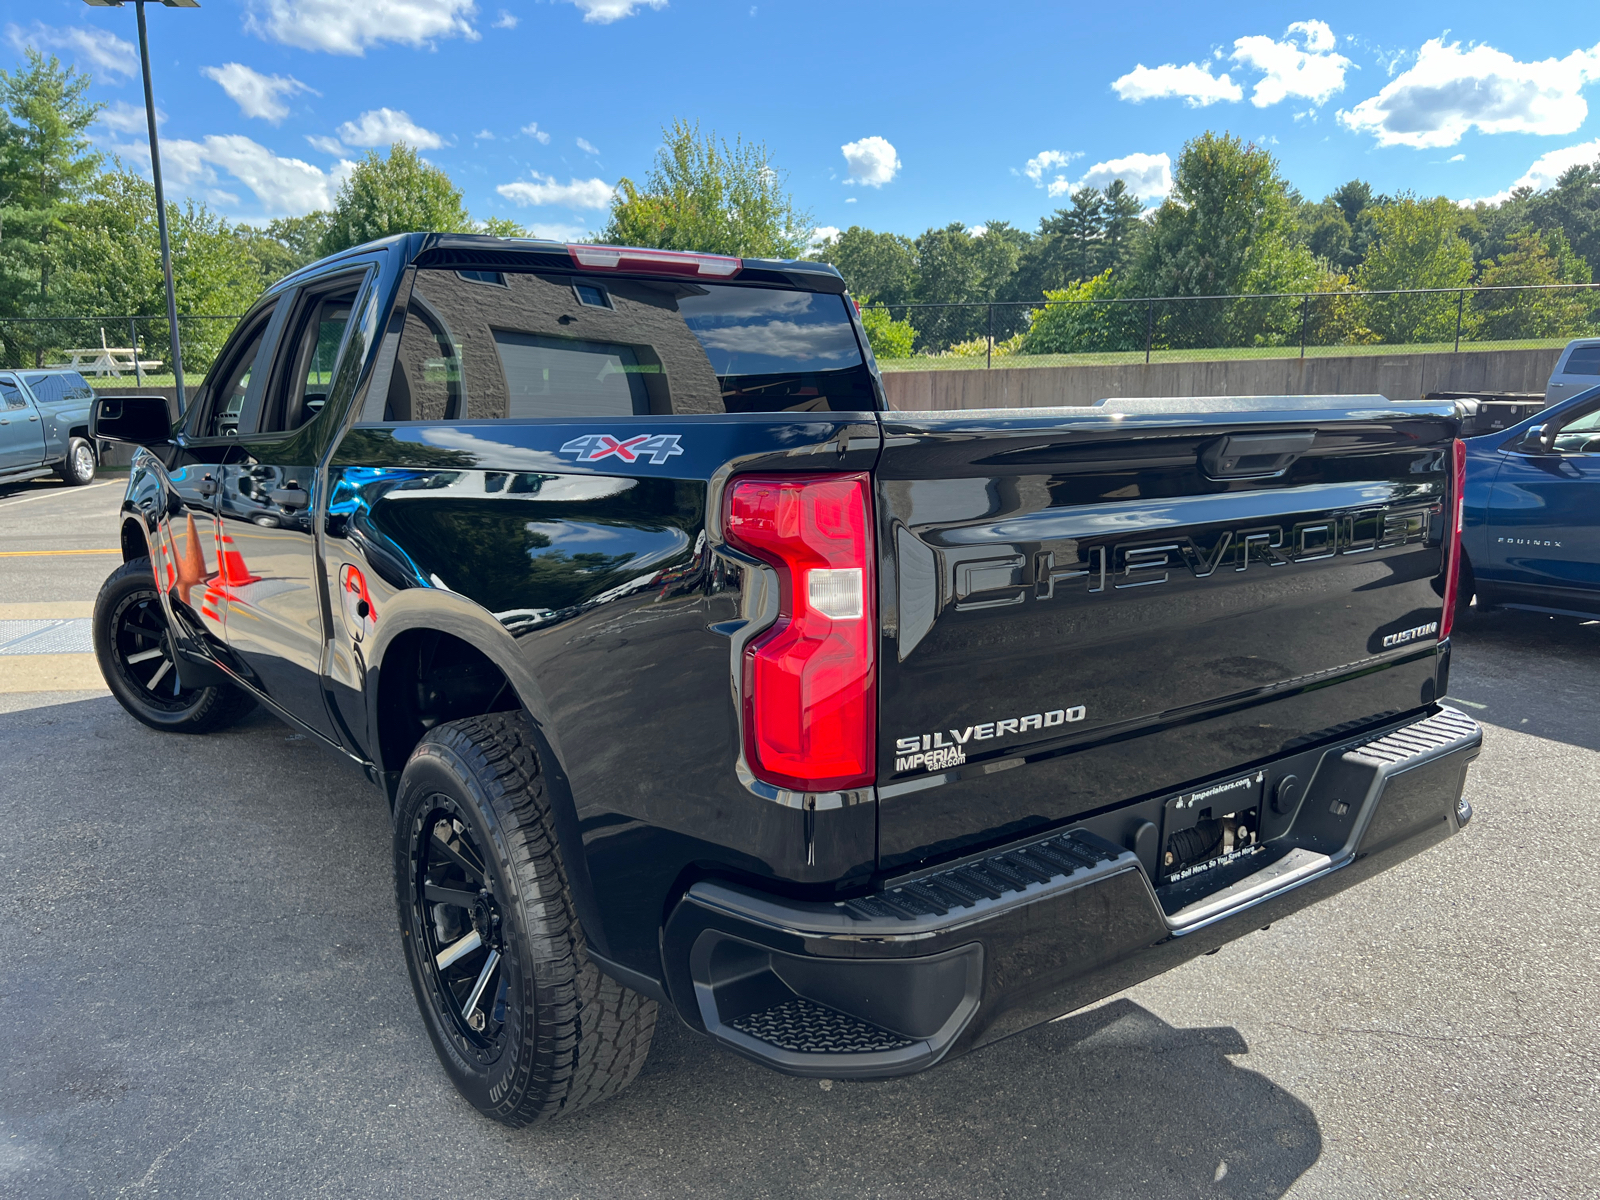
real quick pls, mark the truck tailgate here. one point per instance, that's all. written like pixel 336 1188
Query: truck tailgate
pixel 1085 607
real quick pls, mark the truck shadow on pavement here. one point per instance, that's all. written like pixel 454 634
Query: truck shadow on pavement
pixel 1497 655
pixel 205 995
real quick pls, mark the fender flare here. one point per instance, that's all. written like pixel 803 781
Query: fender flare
pixel 438 610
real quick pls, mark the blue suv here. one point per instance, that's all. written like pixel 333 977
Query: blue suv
pixel 1532 512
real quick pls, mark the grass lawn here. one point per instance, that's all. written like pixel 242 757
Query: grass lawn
pixel 150 381
pixel 953 362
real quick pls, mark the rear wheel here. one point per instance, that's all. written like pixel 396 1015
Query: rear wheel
pixel 77 468
pixel 134 647
pixel 526 1026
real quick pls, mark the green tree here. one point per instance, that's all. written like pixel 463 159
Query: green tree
pixel 1538 261
pixel 880 265
pixel 1123 223
pixel 46 167
pixel 1418 245
pixel 397 194
pixel 301 236
pixel 1081 318
pixel 1084 228
pixel 704 194
pixel 1227 228
pixel 111 263
pixel 889 338
pixel 501 227
pixel 966 272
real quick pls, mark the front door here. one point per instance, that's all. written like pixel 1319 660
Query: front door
pixel 1544 542
pixel 266 511
pixel 21 431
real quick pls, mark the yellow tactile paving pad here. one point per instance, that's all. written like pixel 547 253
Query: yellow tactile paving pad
pixel 49 672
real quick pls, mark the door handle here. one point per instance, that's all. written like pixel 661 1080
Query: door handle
pixel 289 497
pixel 33 416
pixel 208 486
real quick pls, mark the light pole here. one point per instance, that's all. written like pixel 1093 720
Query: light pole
pixel 155 171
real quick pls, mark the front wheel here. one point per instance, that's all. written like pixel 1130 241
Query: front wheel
pixel 134 647
pixel 526 1026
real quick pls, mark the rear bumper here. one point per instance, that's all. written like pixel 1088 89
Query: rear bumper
pixel 941 963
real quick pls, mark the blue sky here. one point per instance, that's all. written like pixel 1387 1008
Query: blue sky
pixel 893 116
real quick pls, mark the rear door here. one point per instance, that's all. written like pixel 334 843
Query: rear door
pixel 267 504
pixel 21 431
pixel 1083 608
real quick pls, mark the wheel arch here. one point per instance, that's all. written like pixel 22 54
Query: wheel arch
pixel 465 640
pixel 135 544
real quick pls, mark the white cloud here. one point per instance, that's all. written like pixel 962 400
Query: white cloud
pixel 1546 169
pixel 977 231
pixel 100 48
pixel 1457 158
pixel 586 147
pixel 849 199
pixel 1046 160
pixel 257 95
pixel 543 189
pixel 603 12
pixel 1196 85
pixel 872 161
pixel 328 145
pixel 557 232
pixel 1451 90
pixel 122 117
pixel 1313 72
pixel 282 186
pixel 505 20
pixel 384 127
pixel 532 130
pixel 823 233
pixel 484 135
pixel 342 27
pixel 1147 176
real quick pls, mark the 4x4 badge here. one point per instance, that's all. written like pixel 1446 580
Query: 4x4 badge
pixel 657 447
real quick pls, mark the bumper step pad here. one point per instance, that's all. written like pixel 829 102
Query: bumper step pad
pixel 993 878
pixel 1446 729
pixel 803 1026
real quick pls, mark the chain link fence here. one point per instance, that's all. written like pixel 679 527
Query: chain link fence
pixel 1301 324
pixel 114 351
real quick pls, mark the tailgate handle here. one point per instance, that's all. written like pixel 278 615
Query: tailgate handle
pixel 1254 455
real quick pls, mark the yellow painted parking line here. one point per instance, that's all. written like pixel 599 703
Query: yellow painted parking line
pixel 43 553
pixel 50 610
pixel 50 673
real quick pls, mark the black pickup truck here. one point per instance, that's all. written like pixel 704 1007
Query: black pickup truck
pixel 697 677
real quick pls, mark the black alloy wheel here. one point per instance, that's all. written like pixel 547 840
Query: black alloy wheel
pixel 523 1022
pixel 460 926
pixel 134 649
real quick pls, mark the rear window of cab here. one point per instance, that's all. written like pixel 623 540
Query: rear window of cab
pixel 520 345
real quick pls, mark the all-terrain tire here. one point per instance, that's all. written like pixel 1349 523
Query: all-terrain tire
pixel 134 649
pixel 77 468
pixel 554 1034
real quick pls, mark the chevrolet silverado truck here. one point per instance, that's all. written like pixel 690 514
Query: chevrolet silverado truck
pixel 697 677
pixel 44 426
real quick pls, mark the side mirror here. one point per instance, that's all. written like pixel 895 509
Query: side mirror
pixel 136 420
pixel 1538 440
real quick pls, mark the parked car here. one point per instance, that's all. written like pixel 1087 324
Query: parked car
pixel 697 677
pixel 1577 370
pixel 44 426
pixel 1532 516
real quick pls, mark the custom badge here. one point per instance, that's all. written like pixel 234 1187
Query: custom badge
pixel 656 447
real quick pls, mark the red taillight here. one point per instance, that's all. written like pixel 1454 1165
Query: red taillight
pixel 810 682
pixel 1457 510
pixel 653 262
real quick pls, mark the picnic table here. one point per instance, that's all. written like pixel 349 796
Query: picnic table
pixel 105 360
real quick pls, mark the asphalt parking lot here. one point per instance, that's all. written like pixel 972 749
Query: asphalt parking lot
pixel 203 992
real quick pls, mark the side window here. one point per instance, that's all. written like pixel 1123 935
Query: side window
pixel 233 384
pixel 310 355
pixel 12 394
pixel 1584 360
pixel 1580 435
pixel 527 345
